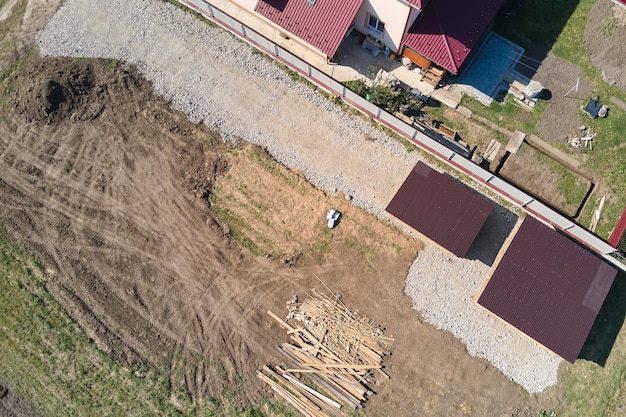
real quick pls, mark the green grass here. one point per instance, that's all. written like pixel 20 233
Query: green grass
pixel 537 22
pixel 7 27
pixel 594 389
pixel 48 361
pixel 507 114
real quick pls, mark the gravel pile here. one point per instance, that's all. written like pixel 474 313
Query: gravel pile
pixel 442 286
pixel 215 79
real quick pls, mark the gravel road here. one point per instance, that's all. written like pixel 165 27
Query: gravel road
pixel 218 80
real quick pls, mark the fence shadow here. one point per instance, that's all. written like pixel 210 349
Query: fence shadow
pixel 603 334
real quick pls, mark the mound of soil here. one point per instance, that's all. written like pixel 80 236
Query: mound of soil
pixel 57 94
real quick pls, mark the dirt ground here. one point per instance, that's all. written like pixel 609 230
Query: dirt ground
pixel 112 190
pixel 562 114
pixel 604 41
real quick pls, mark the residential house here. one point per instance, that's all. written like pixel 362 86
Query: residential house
pixel 431 33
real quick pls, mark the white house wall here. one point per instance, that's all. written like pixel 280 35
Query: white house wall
pixel 246 4
pixel 393 13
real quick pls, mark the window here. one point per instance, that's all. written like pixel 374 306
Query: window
pixel 376 25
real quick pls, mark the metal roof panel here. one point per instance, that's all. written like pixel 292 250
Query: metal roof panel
pixel 549 287
pixel 440 208
pixel 321 23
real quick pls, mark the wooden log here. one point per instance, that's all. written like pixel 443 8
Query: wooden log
pixel 330 386
pixel 284 394
pixel 341 365
pixel 310 390
pixel 335 391
pixel 280 321
pixel 304 404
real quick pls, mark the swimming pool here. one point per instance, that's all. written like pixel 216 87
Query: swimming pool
pixel 483 76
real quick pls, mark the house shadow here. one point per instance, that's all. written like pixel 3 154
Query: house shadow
pixel 492 235
pixel 352 54
pixel 529 63
pixel 610 320
pixel 535 26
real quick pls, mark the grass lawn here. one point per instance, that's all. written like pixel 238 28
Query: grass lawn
pixel 594 389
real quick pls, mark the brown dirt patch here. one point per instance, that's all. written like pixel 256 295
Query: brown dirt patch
pixel 115 201
pixel 604 41
pixel 563 113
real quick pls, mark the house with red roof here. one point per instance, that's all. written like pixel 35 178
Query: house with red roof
pixel 440 33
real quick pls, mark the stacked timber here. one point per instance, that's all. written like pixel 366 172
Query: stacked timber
pixel 331 349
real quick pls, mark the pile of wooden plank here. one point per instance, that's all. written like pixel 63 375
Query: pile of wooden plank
pixel 331 349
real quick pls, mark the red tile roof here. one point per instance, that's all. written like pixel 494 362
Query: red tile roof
pixel 549 287
pixel 323 24
pixel 440 208
pixel 446 31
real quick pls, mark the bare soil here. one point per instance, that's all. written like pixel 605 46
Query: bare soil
pixel 113 192
pixel 604 41
pixel 563 112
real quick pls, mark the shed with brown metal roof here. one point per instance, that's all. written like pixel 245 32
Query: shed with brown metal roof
pixel 440 208
pixel 549 287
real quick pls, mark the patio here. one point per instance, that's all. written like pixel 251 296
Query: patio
pixel 352 62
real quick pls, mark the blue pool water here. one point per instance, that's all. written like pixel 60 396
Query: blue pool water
pixel 494 58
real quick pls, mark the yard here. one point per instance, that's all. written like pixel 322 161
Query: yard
pixel 139 252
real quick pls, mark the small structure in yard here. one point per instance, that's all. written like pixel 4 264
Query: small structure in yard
pixel 526 94
pixel 549 287
pixel 595 109
pixel 441 209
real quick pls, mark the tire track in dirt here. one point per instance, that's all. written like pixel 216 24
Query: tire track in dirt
pixel 136 257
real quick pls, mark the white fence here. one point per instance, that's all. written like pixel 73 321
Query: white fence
pixel 499 186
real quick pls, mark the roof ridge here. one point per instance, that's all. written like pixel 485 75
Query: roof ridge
pixel 445 38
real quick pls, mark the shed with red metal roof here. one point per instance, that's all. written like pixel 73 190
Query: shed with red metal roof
pixel 549 287
pixel 440 208
pixel 618 235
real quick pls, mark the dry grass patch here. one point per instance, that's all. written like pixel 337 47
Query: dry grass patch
pixel 273 211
